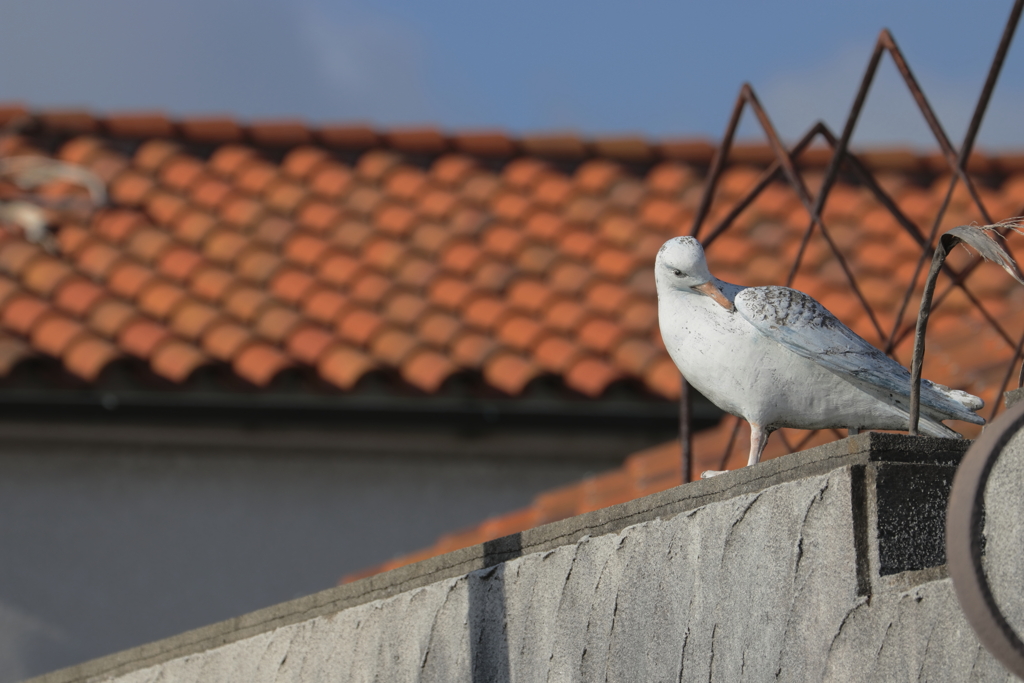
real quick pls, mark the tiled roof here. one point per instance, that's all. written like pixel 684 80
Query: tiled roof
pixel 339 250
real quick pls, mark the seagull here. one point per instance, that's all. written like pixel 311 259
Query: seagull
pixel 776 357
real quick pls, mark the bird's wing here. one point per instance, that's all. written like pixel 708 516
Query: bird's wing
pixel 807 328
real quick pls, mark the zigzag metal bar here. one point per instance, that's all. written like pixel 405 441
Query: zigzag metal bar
pixel 784 159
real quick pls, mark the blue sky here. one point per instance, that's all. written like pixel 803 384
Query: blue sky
pixel 658 69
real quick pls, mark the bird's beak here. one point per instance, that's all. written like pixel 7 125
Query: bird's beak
pixel 709 289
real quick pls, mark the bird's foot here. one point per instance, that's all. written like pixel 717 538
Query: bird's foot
pixel 707 474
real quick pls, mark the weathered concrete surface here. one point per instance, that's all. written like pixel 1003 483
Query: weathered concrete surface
pixel 770 573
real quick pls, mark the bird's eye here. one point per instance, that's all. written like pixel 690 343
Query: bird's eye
pixel 677 273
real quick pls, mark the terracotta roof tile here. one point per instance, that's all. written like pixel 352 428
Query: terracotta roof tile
pixel 159 299
pixel 318 216
pixel 529 295
pixel 275 322
pixel 80 150
pixel 370 288
pixel 416 272
pixel 375 165
pixel 395 219
pixel 579 244
pixel 331 180
pixel 471 349
pixel 663 378
pixel 147 244
pixel 178 263
pixel 569 278
pixel 224 246
pixel 224 341
pixel 344 366
pixel 245 303
pixel 307 343
pixel 192 318
pixel 627 148
pixel 282 133
pixel 493 276
pixel 480 189
pixel 76 296
pixel 180 172
pixel 484 313
pixel 427 370
pixel 209 193
pixel 303 161
pixel 164 207
pixel 15 255
pixel 405 308
pixel 177 360
pixel 451 170
pixel 284 196
pixel 260 363
pixel 599 334
pixel 607 298
pixel 392 346
pixel 438 329
pixel 240 211
pixel 405 183
pixel 449 293
pixel 417 140
pixel 349 137
pixel 71 238
pixel 510 373
pixel 139 125
pixel 291 285
pixel 88 356
pixel 211 129
pixel 554 354
pixel 565 316
pixel 109 316
pixel 255 176
pixel 152 154
pixel 359 325
pixel 257 265
pixel 54 334
pixel 43 275
pixel 634 355
pixel 535 259
pixel 324 305
pixel 193 226
pixel 127 279
pixel 140 337
pixel 553 191
pixel 116 225
pixel 211 283
pixel 555 146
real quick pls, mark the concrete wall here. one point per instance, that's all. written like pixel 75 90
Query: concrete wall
pixel 111 537
pixel 824 565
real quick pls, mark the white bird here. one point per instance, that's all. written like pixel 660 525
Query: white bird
pixel 777 358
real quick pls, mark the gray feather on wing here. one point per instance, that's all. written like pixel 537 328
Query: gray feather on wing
pixel 805 327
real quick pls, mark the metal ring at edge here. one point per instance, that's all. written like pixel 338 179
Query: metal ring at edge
pixel 963 542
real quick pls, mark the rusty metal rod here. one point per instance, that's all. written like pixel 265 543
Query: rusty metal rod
pixel 922 325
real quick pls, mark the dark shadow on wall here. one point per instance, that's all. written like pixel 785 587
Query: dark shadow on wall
pixel 488 635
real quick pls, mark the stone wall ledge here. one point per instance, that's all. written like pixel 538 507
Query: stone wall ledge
pixel 892 478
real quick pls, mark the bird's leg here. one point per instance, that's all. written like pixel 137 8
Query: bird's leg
pixel 758 439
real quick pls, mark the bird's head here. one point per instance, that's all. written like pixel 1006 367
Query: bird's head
pixel 680 265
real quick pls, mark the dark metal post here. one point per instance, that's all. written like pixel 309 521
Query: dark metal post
pixel 685 442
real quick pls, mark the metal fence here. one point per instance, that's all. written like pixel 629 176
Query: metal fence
pixel 784 168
